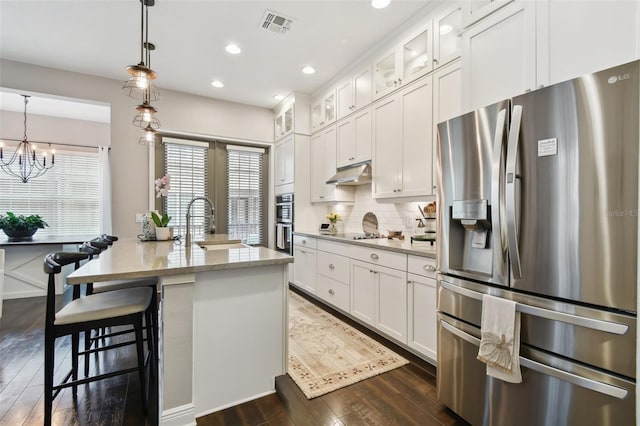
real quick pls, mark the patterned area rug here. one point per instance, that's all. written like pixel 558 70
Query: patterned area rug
pixel 326 354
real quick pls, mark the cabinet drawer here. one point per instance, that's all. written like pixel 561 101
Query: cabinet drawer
pixel 386 258
pixel 333 247
pixel 303 241
pixel 333 266
pixel 333 292
pixel 424 266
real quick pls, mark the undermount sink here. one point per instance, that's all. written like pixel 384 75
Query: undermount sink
pixel 221 244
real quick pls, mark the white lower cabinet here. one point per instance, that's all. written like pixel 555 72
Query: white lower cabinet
pixel 422 303
pixel 379 298
pixel 304 266
pixel 392 293
pixel 391 307
pixel 333 274
pixel 362 291
pixel 334 292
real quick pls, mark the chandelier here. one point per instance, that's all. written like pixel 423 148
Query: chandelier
pixel 24 163
pixel 140 83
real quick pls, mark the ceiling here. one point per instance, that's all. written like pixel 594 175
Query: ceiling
pixel 102 37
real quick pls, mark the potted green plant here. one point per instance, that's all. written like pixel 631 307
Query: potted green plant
pixel 161 222
pixel 21 227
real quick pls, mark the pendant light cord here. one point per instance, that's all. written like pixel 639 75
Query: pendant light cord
pixel 26 100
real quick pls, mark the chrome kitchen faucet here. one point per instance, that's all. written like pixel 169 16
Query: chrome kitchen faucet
pixel 212 220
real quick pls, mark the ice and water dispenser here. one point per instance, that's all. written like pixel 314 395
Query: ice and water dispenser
pixel 470 236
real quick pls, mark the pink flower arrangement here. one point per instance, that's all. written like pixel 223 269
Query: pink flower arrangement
pixel 163 186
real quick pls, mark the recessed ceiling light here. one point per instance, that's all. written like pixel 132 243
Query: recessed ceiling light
pixel 278 97
pixel 233 49
pixel 380 4
pixel 308 70
pixel 217 83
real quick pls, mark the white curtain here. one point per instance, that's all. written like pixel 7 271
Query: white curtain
pixel 105 192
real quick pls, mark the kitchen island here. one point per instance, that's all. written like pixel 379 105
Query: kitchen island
pixel 223 318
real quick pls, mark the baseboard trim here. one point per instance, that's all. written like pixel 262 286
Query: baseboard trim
pixel 184 415
pixel 233 404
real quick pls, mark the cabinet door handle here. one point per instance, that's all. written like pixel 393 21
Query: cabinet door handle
pixel 322 196
pixel 331 266
pixel 304 241
pixel 429 268
pixel 395 190
pixel 374 256
pixel 331 292
pixel 435 62
pixel 399 81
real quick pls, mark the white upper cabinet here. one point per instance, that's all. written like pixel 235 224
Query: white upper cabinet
pixel 284 160
pixel 499 56
pixel 354 92
pixel 447 103
pixel 291 116
pixel 474 10
pixel 410 60
pixel 447 36
pixel 284 122
pixel 527 45
pixel 323 111
pixel 354 138
pixel 573 41
pixel 402 142
pixel 323 167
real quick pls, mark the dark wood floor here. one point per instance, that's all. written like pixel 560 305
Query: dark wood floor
pixel 114 401
pixel 404 396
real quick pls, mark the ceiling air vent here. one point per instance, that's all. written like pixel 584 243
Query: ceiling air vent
pixel 276 22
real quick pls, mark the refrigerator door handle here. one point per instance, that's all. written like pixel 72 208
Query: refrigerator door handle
pixel 594 385
pixel 595 324
pixel 510 191
pixel 497 186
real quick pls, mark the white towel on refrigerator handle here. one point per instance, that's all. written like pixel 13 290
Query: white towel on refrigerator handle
pixel 500 339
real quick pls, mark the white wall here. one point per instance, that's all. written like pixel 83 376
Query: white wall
pixel 42 128
pixel 177 112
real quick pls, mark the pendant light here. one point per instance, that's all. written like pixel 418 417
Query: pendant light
pixel 24 162
pixel 142 74
pixel 140 84
pixel 146 112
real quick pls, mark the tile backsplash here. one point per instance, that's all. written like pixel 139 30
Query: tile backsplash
pixel 391 216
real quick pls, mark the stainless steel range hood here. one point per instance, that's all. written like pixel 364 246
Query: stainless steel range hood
pixel 357 174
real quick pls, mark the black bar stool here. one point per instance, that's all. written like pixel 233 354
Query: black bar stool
pixel 121 307
pixel 95 247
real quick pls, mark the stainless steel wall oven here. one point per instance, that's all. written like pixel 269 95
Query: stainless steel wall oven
pixel 284 223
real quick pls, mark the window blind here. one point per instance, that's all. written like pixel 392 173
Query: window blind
pixel 187 165
pixel 67 196
pixel 245 193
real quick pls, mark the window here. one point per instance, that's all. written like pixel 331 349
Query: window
pixel 186 163
pixel 244 193
pixel 67 196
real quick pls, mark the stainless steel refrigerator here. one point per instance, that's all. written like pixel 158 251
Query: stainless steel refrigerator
pixel 538 203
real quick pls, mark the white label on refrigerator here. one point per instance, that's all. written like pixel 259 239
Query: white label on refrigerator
pixel 547 147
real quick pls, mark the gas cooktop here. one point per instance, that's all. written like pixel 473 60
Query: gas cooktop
pixel 367 236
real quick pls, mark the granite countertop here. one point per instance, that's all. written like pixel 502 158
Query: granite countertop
pixel 130 258
pixel 47 239
pixel 399 246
